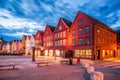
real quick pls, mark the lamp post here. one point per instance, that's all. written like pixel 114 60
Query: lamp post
pixel 33 56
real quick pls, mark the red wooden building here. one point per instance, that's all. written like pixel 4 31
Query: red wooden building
pixel 61 37
pixel 89 38
pixel 38 43
pixel 85 37
pixel 48 40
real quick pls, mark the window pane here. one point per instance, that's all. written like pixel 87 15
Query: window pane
pixel 87 29
pixel 80 41
pixel 73 42
pixel 80 31
pixel 73 32
pixel 88 53
pixel 87 40
pixel 79 22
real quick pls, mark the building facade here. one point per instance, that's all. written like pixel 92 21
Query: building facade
pixel 118 43
pixel 38 43
pixel 92 39
pixel 86 37
pixel 48 40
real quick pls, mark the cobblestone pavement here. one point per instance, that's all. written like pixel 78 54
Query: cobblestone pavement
pixel 28 70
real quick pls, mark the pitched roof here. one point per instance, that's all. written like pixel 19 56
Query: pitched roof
pixel 67 22
pixel 93 20
pixel 52 28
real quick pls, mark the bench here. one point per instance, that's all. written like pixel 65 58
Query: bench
pixel 45 62
pixel 8 65
pixel 64 61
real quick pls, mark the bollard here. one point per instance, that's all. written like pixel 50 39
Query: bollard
pixel 97 76
pixel 90 69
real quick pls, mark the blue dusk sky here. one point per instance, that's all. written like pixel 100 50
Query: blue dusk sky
pixel 25 17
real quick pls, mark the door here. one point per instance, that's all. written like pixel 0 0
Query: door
pixel 98 54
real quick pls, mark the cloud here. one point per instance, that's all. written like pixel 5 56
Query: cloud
pixel 12 22
pixel 116 25
pixel 27 16
pixel 46 7
pixel 16 34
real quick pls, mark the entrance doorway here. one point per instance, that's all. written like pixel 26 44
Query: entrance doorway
pixel 68 54
pixel 98 54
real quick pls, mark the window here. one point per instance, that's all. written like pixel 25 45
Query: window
pixel 87 29
pixel 98 40
pixel 88 53
pixel 80 41
pixel 60 27
pixel 79 22
pixel 73 42
pixel 98 30
pixel 73 32
pixel 103 53
pixel 87 40
pixel 64 34
pixel 77 53
pixel 60 42
pixel 60 34
pixel 80 31
pixel 64 42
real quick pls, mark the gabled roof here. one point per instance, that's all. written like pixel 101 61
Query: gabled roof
pixel 67 22
pixel 52 28
pixel 95 21
pixel 24 36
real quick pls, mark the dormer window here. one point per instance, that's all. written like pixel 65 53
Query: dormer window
pixel 79 22
pixel 60 27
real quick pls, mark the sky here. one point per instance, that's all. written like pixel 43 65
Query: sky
pixel 25 17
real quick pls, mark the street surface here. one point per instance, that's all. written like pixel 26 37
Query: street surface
pixel 28 70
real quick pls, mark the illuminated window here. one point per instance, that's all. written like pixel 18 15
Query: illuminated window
pixel 88 53
pixel 46 52
pixel 80 31
pixel 60 42
pixel 98 30
pixel 80 41
pixel 50 52
pixel 103 53
pixel 73 32
pixel 83 53
pixel 64 42
pixel 73 42
pixel 64 34
pixel 77 53
pixel 57 52
pixel 87 29
pixel 79 22
pixel 111 53
pixel 60 34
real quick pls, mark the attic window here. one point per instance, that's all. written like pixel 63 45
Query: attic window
pixel 60 27
pixel 79 22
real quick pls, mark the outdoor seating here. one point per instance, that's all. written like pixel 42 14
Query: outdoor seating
pixel 42 62
pixel 8 65
pixel 64 61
